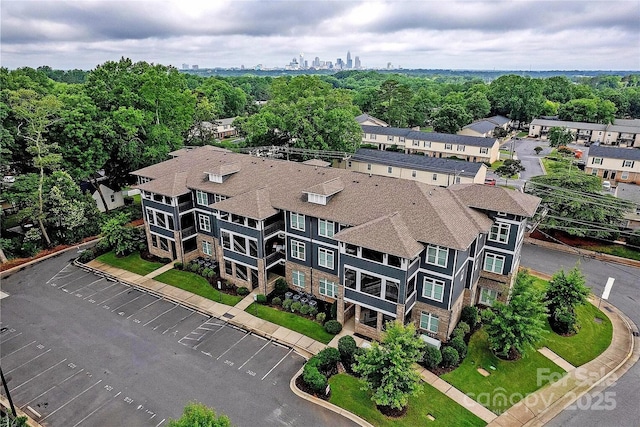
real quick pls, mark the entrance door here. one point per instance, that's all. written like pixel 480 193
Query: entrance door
pixel 605 174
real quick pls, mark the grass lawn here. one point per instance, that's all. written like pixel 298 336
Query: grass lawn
pixel 291 321
pixel 495 165
pixel 555 166
pixel 508 383
pixel 617 250
pixel 132 263
pixel 522 134
pixel 197 285
pixel 346 393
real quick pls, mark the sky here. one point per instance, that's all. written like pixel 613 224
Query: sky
pixel 442 34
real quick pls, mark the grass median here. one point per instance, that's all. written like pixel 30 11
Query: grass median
pixel 132 263
pixel 291 321
pixel 346 393
pixel 198 285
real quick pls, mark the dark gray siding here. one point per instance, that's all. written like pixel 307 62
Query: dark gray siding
pixel 313 232
pixel 380 269
pixel 315 255
pixel 445 295
pixel 159 206
pixel 370 300
pixel 235 256
pixel 161 231
pixel 307 252
pixel 448 270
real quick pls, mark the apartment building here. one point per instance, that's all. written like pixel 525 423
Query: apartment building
pixel 614 163
pixel 429 170
pixel 432 144
pixel 380 248
pixel 486 127
pixel 622 132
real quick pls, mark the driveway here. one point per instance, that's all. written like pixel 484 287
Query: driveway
pixel 82 350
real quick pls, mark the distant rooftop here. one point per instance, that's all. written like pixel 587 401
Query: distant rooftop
pixel 417 162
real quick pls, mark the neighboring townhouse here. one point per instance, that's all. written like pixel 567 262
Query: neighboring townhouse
pixel 485 127
pixel 623 132
pixel 429 170
pixel 367 120
pixel 432 144
pixel 380 248
pixel 614 163
pixel 222 128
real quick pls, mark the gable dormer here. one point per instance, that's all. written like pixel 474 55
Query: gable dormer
pixel 321 193
pixel 219 173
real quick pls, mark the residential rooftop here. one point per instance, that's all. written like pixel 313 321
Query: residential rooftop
pixel 614 152
pixel 430 136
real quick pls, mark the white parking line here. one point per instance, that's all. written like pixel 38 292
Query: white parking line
pixel 223 326
pixel 163 420
pixel 28 361
pixel 33 378
pixel 74 398
pixel 2 342
pixel 127 302
pixel 97 292
pixel 51 388
pixel 81 277
pixel 79 289
pixel 254 355
pixel 56 275
pixel 179 321
pixel 97 409
pixel 276 365
pixel 237 342
pixel 174 306
pixel 119 293
pixel 151 303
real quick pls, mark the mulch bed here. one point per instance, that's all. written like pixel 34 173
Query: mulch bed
pixel 303 386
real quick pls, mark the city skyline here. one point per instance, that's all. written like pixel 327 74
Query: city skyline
pixel 516 35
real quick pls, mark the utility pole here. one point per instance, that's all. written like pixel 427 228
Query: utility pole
pixel 6 390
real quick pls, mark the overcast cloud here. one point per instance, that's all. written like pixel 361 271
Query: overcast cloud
pixel 529 35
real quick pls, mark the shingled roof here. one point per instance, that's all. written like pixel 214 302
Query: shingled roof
pixel 447 138
pixel 412 161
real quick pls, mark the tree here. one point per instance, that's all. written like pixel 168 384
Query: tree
pixel 450 119
pixel 575 204
pixel 538 149
pixel 477 105
pixel 564 294
pixel 394 102
pixel 579 110
pixel 37 113
pixel 519 98
pixel 387 368
pixel 558 136
pixel 198 415
pixel 118 235
pixel 510 168
pixel 513 327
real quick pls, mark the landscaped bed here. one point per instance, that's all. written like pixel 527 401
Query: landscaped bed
pixel 346 393
pixel 508 381
pixel 291 321
pixel 133 263
pixel 198 285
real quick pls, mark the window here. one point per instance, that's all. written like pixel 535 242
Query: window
pixel 373 136
pixel 368 166
pixel 370 284
pixel 351 249
pixel 372 255
pixel 113 198
pixel 499 233
pixel 325 228
pixel 228 268
pixel 596 161
pixel 204 222
pixel 413 174
pixel 226 240
pixel 488 296
pixel 493 263
pixel 349 164
pixel 391 291
pixel 325 258
pixel 297 250
pixel 206 248
pixel 218 198
pixel 389 169
pixel 460 147
pixel 164 244
pixel 297 221
pixel 415 143
pixel 241 272
pixel 437 255
pixel 627 163
pixel 350 278
pixel 402 139
pixel 427 144
pixel 298 278
pixel 484 150
pixel 625 175
pixel 594 171
pixel 411 286
pixel 447 146
pixel 328 288
pixel 394 261
pixel 201 198
pixel 390 138
pixel 434 177
pixel 433 289
pixel 429 322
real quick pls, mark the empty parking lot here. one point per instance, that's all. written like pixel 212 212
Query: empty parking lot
pixel 81 349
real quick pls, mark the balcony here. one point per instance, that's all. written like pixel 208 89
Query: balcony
pixel 189 231
pixel 185 206
pixel 273 228
pixel 273 258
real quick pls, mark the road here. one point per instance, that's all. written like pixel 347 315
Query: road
pixel 81 350
pixel 625 295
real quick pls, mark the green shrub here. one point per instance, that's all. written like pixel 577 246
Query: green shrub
pixel 563 321
pixel 102 247
pixel 296 306
pixel 194 267
pixel 470 316
pixel 460 346
pixel 312 376
pixel 328 358
pixel 277 301
pixel 333 327
pixel 313 311
pixel 242 290
pixel 347 347
pixel 450 357
pixel 280 287
pixel 86 256
pixel 432 357
pixel 261 299
pixel 207 273
pixel 321 317
pixel 286 304
pixel 178 266
pixel 464 326
pixel 306 310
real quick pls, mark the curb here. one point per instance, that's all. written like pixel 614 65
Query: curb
pixel 4 402
pixel 585 252
pixel 327 405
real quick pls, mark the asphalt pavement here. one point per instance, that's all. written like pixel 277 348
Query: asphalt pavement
pixel 80 349
pixel 617 405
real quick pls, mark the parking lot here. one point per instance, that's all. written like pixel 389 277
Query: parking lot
pixel 50 380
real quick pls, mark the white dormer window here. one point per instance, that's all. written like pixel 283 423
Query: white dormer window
pixel 215 178
pixel 318 199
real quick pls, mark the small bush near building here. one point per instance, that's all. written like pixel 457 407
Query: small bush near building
pixel 280 287
pixel 276 301
pixel 432 357
pixel 178 266
pixel 86 256
pixel 321 317
pixel 329 358
pixel 261 299
pixel 286 304
pixel 470 316
pixel 296 306
pixel 333 327
pixel 312 376
pixel 460 346
pixel 347 347
pixel 450 357
pixel 242 290
pixel 461 330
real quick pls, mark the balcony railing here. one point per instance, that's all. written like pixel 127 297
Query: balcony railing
pixel 185 206
pixel 189 231
pixel 272 258
pixel 273 228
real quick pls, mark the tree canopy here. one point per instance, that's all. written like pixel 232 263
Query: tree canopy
pixel 198 415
